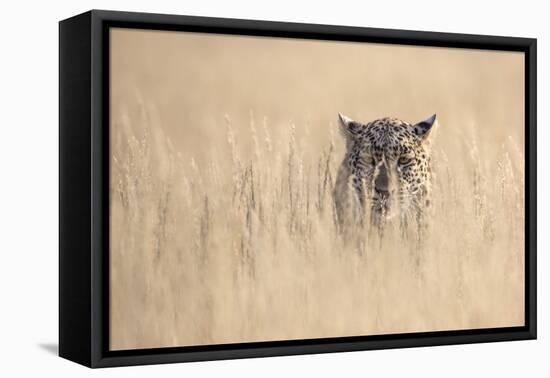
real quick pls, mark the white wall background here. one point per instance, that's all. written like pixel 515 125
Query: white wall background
pixel 29 186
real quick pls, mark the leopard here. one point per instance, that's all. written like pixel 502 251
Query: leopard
pixel 386 172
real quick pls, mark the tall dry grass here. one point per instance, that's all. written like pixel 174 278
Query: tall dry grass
pixel 244 247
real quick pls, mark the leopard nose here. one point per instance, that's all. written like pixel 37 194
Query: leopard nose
pixel 381 182
pixel 382 193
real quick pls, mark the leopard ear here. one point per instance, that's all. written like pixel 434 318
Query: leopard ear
pixel 423 128
pixel 349 127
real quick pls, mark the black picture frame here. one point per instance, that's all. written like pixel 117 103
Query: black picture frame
pixel 83 182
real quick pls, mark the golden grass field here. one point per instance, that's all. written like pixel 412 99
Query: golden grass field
pixel 224 154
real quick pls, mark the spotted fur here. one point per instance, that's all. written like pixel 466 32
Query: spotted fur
pixel 386 171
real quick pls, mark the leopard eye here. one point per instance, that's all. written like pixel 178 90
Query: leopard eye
pixel 367 159
pixel 403 160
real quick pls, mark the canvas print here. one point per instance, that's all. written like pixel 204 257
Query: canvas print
pixel 266 189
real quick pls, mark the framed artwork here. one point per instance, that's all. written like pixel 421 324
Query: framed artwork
pixel 234 188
